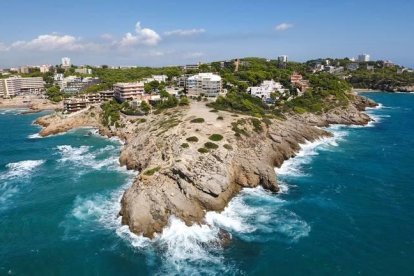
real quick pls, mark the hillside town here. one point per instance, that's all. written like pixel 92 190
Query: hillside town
pixel 78 87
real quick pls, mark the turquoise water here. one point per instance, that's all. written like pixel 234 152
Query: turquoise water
pixel 347 208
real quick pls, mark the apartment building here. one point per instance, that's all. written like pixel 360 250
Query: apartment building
pixel 14 86
pixel 266 89
pixel 128 90
pixel 207 84
pixel 83 101
pixel 85 71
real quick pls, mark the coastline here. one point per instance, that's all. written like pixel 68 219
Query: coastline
pixel 205 182
pixel 32 104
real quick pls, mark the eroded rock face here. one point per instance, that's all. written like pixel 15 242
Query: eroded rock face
pixel 177 179
pixel 190 183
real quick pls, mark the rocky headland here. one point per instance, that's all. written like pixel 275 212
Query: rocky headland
pixel 195 159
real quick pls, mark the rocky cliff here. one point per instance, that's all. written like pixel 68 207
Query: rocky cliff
pixel 193 160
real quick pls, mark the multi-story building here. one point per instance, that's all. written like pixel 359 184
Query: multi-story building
pixel 282 61
pixel 352 66
pixel 298 81
pixel 44 68
pixel 266 89
pixel 159 78
pixel 17 85
pixel 363 58
pixel 74 84
pixel 83 101
pixel 66 62
pixel 207 84
pixel 128 90
pixel 85 71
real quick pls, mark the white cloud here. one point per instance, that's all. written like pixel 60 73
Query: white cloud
pixel 107 36
pixel 283 27
pixel 3 47
pixel 142 36
pixel 181 32
pixel 50 42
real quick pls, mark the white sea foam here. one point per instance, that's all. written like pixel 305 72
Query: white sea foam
pixel 86 158
pixel 20 169
pixel 15 171
pixel 34 136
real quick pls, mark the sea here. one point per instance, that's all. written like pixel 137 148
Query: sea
pixel 346 207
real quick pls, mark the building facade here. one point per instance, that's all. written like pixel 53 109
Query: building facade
pixel 207 84
pixel 266 89
pixel 66 62
pixel 363 58
pixel 128 91
pixel 15 86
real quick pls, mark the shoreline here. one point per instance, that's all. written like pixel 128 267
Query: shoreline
pixel 186 183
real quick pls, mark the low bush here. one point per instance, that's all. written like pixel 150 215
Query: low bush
pixel 152 171
pixel 215 137
pixel 193 139
pixel 185 145
pixel 227 146
pixel 210 145
pixel 202 150
pixel 198 120
pixel 220 118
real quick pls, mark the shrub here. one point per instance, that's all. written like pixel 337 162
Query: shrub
pixel 192 139
pixel 210 145
pixel 152 171
pixel 220 118
pixel 215 137
pixel 202 150
pixel 214 110
pixel 198 120
pixel 185 145
pixel 267 121
pixel 227 146
pixel 257 125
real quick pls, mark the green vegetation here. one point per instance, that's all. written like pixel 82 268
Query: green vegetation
pixel 238 128
pixel 228 147
pixel 145 107
pixel 197 120
pixel 185 145
pixel 96 88
pixel 240 102
pixel 215 137
pixel 192 139
pixel 203 150
pixel 152 171
pixel 220 118
pixel 167 101
pixel 210 145
pixel 54 94
pixel 257 125
pixel 111 116
pixel 184 101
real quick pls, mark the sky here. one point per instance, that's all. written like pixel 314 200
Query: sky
pixel 168 32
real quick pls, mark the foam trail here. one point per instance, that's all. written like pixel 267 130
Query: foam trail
pixel 16 172
pixel 34 136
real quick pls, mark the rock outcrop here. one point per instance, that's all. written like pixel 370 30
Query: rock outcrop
pixel 186 172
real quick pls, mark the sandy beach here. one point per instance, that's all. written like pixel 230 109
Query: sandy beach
pixel 30 102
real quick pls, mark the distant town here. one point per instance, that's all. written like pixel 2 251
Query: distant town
pixel 78 87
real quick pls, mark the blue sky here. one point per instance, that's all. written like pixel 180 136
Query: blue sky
pixel 154 33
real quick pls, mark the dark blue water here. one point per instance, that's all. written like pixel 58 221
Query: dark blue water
pixel 347 208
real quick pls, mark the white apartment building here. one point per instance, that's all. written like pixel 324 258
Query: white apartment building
pixel 207 84
pixel 364 58
pixel 265 89
pixel 44 68
pixel 159 78
pixel 128 90
pixel 17 85
pixel 85 71
pixel 66 62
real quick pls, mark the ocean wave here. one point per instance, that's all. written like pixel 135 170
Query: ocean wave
pixel 34 136
pixel 20 169
pixel 15 171
pixel 86 158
